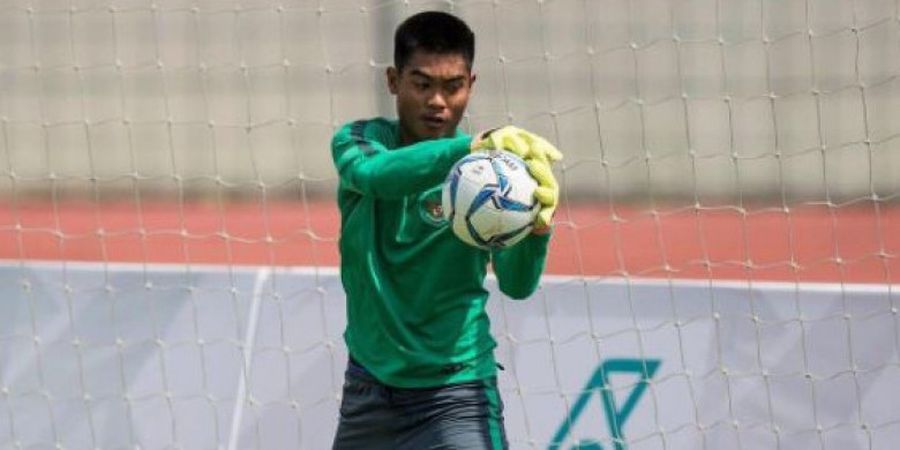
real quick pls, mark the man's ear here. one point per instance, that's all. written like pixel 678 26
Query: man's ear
pixel 393 79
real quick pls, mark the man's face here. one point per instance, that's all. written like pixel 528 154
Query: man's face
pixel 432 93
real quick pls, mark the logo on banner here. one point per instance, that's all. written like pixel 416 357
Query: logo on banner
pixel 616 416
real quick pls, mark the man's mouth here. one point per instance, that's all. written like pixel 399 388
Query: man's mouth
pixel 434 122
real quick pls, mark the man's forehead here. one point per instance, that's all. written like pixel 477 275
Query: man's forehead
pixel 437 65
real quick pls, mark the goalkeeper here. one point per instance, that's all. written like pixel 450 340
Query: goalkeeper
pixel 422 372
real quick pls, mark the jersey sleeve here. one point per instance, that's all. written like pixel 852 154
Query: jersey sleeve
pixel 367 166
pixel 519 268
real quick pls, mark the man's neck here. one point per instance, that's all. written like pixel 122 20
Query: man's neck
pixel 406 138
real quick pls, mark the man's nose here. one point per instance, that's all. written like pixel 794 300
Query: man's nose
pixel 437 100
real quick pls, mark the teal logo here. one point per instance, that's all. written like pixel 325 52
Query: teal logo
pixel 616 416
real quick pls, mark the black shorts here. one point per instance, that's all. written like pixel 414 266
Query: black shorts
pixel 463 416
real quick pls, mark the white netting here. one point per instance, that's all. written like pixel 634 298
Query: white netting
pixel 706 139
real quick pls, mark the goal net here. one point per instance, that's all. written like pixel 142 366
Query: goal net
pixel 723 271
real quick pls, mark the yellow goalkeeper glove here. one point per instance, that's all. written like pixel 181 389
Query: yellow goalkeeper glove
pixel 524 144
pixel 546 193
pixel 538 154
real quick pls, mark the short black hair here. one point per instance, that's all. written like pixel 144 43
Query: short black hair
pixel 433 32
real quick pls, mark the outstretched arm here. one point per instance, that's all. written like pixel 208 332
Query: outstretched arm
pixel 367 166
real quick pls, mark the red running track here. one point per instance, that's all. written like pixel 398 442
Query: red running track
pixel 854 244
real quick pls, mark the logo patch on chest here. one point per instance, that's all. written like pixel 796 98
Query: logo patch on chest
pixel 435 210
pixel 430 208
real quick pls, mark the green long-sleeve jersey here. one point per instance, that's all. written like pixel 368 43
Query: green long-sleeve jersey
pixel 415 296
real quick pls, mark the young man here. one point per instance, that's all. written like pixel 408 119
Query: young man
pixel 422 373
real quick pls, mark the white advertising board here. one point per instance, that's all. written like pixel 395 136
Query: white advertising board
pixel 132 356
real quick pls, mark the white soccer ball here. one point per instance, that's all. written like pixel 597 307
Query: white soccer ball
pixel 488 198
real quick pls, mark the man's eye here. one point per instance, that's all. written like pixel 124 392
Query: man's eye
pixel 421 85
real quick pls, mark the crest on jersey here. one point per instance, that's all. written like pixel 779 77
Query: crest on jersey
pixel 431 209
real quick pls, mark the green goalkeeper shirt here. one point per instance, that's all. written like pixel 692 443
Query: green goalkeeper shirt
pixel 415 296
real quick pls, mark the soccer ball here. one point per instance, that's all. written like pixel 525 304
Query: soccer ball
pixel 488 198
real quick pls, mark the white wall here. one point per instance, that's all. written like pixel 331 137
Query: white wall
pixel 128 356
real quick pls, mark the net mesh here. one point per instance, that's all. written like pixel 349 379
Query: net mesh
pixel 181 147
